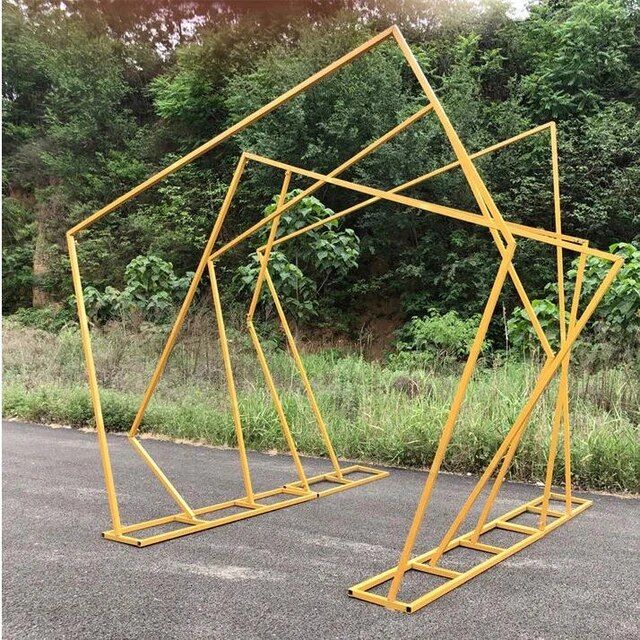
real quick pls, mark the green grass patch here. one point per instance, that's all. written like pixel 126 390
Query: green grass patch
pixel 373 412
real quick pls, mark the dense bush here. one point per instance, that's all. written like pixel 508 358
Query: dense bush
pixel 152 290
pixel 616 320
pixel 435 338
pixel 96 100
pixel 303 268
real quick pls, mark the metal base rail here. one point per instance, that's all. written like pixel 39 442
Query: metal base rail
pixel 454 579
pixel 193 525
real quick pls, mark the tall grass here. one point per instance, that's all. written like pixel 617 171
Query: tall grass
pixel 373 412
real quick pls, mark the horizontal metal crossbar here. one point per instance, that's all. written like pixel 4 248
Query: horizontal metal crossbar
pixel 363 590
pixel 250 509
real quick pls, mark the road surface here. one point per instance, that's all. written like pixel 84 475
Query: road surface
pixel 283 574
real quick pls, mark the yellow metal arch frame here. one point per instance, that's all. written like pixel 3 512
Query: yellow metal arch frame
pixel 503 233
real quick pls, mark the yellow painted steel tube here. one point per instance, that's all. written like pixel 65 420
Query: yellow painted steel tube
pixel 93 387
pixel 164 481
pixel 553 447
pixel 562 409
pixel 575 303
pixel 231 387
pixel 267 251
pixel 447 430
pixel 450 212
pixel 541 235
pixel 278 406
pixel 284 425
pixel 184 308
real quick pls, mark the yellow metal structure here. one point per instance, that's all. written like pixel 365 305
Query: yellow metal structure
pixel 551 509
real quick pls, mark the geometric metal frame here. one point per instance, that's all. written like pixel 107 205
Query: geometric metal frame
pixel 503 233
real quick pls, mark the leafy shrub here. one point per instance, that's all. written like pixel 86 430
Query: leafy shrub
pixel 17 254
pixel 617 318
pixel 297 292
pixel 312 262
pixel 47 319
pixel 152 289
pixel 436 337
pixel 521 332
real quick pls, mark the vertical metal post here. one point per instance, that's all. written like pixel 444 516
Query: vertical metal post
pixel 231 387
pixel 93 386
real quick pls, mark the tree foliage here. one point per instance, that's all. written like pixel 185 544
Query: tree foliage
pixel 97 96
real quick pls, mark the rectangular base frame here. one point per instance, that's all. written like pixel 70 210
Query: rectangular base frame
pixel 249 510
pixel 362 591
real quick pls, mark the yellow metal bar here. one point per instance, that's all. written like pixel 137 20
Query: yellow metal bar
pixel 541 235
pixel 447 430
pixel 250 510
pixel 231 387
pixel 362 590
pixel 94 391
pixel 575 303
pixel 236 128
pixel 553 447
pixel 284 425
pixel 267 250
pixel 186 304
pixel 434 571
pixel 322 427
pixel 164 481
pixel 518 528
pixel 450 212
pixel 551 512
pixel 563 394
pixel 479 546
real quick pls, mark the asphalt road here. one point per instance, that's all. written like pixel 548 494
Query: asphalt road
pixel 283 574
